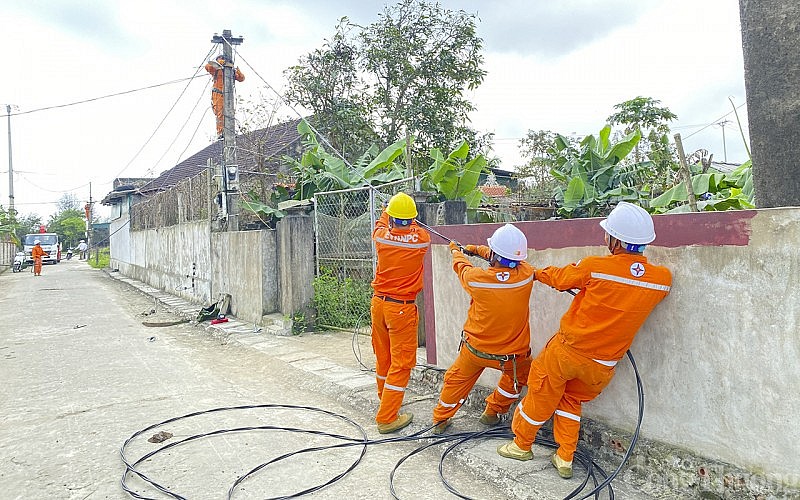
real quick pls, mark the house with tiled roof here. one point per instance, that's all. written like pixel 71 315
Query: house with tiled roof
pixel 258 154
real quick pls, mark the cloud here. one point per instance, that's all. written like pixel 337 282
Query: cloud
pixel 90 21
pixel 549 28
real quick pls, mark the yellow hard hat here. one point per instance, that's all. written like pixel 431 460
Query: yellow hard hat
pixel 402 206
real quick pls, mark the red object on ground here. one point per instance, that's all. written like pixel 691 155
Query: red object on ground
pixel 218 320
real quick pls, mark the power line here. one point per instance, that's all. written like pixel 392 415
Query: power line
pixel 716 121
pixel 165 117
pixel 104 96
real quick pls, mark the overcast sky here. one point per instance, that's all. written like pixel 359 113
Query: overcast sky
pixel 555 65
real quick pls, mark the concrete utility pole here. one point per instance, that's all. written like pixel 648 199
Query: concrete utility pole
pixel 771 40
pixel 10 166
pixel 230 170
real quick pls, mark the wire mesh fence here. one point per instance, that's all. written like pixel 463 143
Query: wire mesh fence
pixel 345 252
pixel 185 202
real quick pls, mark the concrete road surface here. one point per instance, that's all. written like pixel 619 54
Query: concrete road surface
pixel 81 374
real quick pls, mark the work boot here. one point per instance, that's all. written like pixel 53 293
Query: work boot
pixel 489 418
pixel 440 427
pixel 511 450
pixel 563 467
pixel 401 421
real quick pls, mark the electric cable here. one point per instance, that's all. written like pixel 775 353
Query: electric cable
pixel 104 96
pixel 197 70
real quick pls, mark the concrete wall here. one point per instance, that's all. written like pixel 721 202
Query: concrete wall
pixel 719 357
pixel 245 266
pixel 192 262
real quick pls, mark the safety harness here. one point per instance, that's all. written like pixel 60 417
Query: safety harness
pixel 502 358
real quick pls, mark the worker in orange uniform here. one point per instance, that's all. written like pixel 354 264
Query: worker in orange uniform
pixel 401 245
pixel 217 70
pixel 37 252
pixel 617 294
pixel 496 333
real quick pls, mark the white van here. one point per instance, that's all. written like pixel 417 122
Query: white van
pixel 49 243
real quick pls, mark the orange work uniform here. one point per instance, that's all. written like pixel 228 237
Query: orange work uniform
pixel 37 252
pixel 398 280
pixel 217 72
pixel 617 294
pixel 497 325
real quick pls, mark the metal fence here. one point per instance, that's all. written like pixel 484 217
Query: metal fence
pixel 345 253
pixel 185 202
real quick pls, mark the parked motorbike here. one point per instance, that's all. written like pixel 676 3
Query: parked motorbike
pixel 69 253
pixel 19 262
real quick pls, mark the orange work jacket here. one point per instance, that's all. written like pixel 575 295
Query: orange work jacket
pixel 219 78
pixel 37 252
pixel 499 307
pixel 400 256
pixel 617 294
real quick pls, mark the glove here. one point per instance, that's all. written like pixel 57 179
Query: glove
pixel 454 245
pixel 471 249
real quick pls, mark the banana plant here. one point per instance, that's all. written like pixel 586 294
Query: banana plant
pixel 716 191
pixel 317 170
pixel 590 177
pixel 453 177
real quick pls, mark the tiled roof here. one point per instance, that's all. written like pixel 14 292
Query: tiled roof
pixel 260 150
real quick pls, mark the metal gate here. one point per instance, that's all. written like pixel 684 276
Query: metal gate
pixel 345 252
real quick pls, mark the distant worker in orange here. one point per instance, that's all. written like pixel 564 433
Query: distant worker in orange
pixel 617 294
pixel 401 245
pixel 37 252
pixel 216 69
pixel 497 332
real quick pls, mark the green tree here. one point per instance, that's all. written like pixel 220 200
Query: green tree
pixel 28 223
pixel 537 150
pixel 68 201
pixel 652 121
pixel 404 75
pixel 70 225
pixel 327 82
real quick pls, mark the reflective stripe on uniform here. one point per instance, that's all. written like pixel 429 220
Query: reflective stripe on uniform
pixel 507 394
pixel 448 405
pixel 394 387
pixel 568 415
pixel 605 363
pixel 529 419
pixel 379 377
pixel 480 284
pixel 628 281
pixel 401 244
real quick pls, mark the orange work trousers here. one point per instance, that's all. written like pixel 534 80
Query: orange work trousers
pixel 560 381
pixel 217 107
pixel 460 378
pixel 394 341
pixel 37 266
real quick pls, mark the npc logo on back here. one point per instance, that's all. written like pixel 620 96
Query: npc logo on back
pixel 503 276
pixel 637 269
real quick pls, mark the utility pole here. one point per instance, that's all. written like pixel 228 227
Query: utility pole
pixel 722 125
pixel 230 170
pixel 10 166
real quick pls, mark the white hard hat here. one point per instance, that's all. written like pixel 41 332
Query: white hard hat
pixel 36 242
pixel 629 223
pixel 509 242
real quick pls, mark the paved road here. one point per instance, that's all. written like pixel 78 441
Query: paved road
pixel 81 374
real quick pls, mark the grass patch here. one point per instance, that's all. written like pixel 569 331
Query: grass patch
pixel 99 259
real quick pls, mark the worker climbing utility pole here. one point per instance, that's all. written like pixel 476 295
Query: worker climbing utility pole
pixel 230 169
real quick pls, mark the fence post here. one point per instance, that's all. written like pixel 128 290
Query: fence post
pixel 296 262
